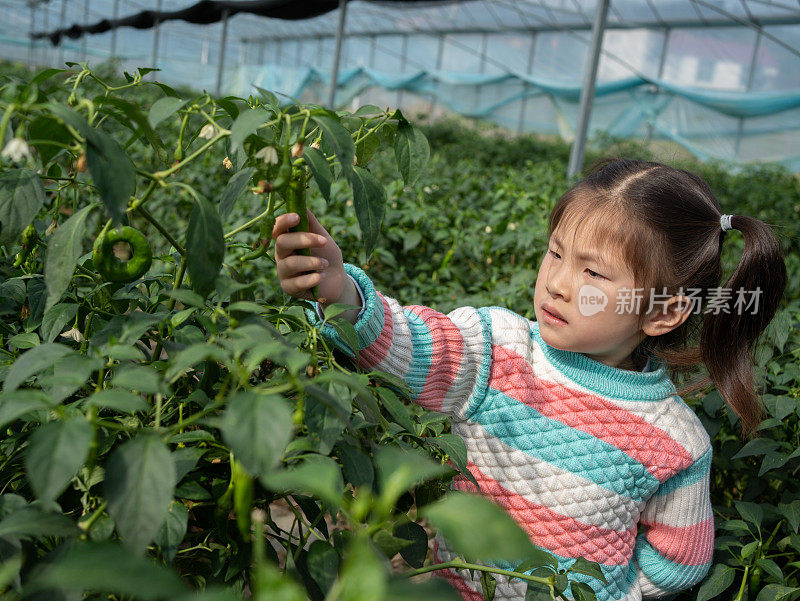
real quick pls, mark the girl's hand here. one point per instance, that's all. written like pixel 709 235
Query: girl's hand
pixel 298 273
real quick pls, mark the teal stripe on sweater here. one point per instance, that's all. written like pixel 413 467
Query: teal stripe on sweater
pixel 422 351
pixel 664 573
pixel 526 429
pixel 694 473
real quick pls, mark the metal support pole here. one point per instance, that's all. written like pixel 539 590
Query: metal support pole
pixel 222 43
pixel 156 35
pixel 439 59
pixel 115 16
pixel 403 55
pixel 86 22
pixel 30 43
pixel 528 71
pixel 61 26
pixel 662 60
pixel 578 151
pixel 298 55
pixel 482 65
pixel 337 55
pixel 372 46
pixel 750 75
pixel 261 53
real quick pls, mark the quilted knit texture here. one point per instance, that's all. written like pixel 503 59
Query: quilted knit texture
pixel 580 454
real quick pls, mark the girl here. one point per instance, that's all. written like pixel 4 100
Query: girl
pixel 571 422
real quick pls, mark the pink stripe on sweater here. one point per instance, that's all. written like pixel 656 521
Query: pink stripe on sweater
pixel 447 348
pixel 651 446
pixel 688 545
pixel 454 579
pixel 560 534
pixel 375 353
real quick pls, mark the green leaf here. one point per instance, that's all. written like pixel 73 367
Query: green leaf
pixel 63 250
pixel 132 114
pixel 791 511
pixel 139 485
pixel 454 447
pixel 192 355
pixel 56 452
pixel 32 362
pixel 396 409
pixel 257 427
pixel 412 151
pixel 236 186
pixel 205 246
pixel 340 141
pixel 163 108
pixel 322 563
pixel 320 170
pixel 316 475
pixel 416 552
pixel 42 132
pixel 173 530
pixel 14 288
pixel 399 470
pixel 21 197
pixel 118 400
pixel 588 568
pixel 347 332
pixel 776 592
pixel 110 568
pixel 139 378
pixel 113 173
pixel 488 585
pixel 54 320
pixel 9 569
pixel 369 198
pixel 24 340
pixel 750 512
pixel 721 578
pixel 14 405
pixel 583 592
pixel 757 446
pixel 499 536
pixel 363 576
pixel 246 123
pixel 356 464
pixel 401 589
pixel 538 558
pixel 365 149
pixel 326 416
pixel 31 521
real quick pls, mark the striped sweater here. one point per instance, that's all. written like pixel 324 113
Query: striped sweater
pixel 579 453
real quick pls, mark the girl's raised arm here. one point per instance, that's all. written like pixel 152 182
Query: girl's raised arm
pixel 444 359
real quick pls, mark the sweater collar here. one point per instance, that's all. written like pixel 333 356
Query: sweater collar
pixel 608 381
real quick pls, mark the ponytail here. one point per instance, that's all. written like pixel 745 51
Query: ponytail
pixel 730 333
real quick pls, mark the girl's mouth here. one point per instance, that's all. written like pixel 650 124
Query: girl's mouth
pixel 552 317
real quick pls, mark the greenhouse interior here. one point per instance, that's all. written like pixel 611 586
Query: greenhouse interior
pixel 719 78
pixel 314 300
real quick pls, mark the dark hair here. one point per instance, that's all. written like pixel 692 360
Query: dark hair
pixel 665 224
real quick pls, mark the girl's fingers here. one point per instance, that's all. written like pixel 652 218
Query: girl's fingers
pixel 298 285
pixel 297 264
pixel 286 244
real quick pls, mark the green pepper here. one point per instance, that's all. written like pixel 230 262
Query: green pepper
pixel 264 237
pixel 242 497
pixel 295 195
pixel 113 269
pixel 28 243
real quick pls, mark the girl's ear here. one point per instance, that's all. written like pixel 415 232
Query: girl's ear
pixel 667 315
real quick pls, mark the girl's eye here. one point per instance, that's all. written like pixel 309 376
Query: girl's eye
pixel 594 274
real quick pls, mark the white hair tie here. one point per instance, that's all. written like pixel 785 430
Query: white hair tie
pixel 725 222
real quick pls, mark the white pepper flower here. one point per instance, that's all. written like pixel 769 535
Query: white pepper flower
pixel 208 132
pixel 75 334
pixel 16 150
pixel 512 226
pixel 268 154
pixel 488 229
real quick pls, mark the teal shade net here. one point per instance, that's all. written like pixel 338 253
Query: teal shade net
pixel 719 77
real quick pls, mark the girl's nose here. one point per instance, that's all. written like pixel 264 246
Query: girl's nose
pixel 558 282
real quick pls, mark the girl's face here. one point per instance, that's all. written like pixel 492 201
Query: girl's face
pixel 588 290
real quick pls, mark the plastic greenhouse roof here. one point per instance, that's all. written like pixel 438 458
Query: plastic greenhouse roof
pixel 476 16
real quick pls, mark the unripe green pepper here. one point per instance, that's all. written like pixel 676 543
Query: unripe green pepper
pixel 111 268
pixel 28 243
pixel 295 195
pixel 242 497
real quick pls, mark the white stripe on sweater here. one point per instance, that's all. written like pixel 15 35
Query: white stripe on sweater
pixel 543 483
pixel 681 507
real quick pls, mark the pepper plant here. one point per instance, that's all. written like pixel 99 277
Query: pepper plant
pixel 170 429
